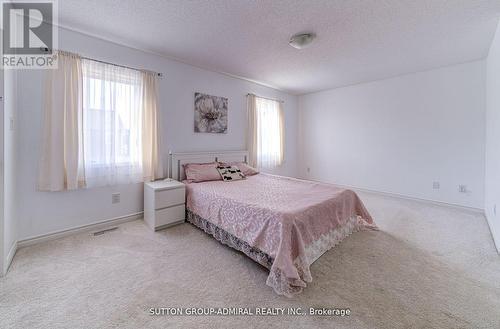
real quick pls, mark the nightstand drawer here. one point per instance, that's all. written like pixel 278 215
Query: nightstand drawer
pixel 168 198
pixel 170 215
pixel 164 203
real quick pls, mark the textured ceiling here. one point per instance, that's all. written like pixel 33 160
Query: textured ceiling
pixel 357 40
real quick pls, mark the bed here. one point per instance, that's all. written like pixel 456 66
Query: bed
pixel 282 223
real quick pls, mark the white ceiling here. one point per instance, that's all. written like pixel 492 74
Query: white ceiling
pixel 357 40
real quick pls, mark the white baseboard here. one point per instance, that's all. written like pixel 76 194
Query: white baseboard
pixel 494 233
pixel 9 258
pixel 402 196
pixel 407 197
pixel 100 225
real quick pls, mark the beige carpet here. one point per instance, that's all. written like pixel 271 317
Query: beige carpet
pixel 428 267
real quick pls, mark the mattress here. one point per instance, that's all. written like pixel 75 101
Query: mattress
pixel 283 223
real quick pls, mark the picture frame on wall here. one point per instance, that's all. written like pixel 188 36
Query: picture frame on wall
pixel 210 114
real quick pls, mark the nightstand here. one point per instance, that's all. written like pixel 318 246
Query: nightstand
pixel 164 203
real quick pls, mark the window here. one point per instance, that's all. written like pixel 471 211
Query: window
pixel 270 128
pixel 112 124
pixel 100 125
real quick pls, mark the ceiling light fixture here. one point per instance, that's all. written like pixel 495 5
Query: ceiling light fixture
pixel 301 40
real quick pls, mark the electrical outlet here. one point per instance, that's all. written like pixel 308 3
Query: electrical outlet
pixel 308 170
pixel 495 209
pixel 436 185
pixel 462 188
pixel 115 198
pixel 11 124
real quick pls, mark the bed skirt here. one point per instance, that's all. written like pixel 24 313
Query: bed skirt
pixel 277 279
pixel 229 239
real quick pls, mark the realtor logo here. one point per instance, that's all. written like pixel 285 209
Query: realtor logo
pixel 29 34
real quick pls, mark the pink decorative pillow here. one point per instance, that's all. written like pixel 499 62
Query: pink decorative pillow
pixel 201 172
pixel 245 169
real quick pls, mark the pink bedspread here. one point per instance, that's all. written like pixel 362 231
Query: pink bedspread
pixel 293 221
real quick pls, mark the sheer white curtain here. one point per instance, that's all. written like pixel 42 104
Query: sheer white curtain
pixel 101 126
pixel 266 132
pixel 61 160
pixel 112 124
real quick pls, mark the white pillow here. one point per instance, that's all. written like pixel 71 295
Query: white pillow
pixel 230 173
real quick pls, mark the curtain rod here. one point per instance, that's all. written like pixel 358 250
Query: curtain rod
pixel 272 99
pixel 104 62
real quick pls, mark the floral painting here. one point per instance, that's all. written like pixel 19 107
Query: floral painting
pixel 210 114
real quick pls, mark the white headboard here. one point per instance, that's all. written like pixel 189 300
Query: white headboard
pixel 178 159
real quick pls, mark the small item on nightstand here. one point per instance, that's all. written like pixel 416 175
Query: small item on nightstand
pixel 164 203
